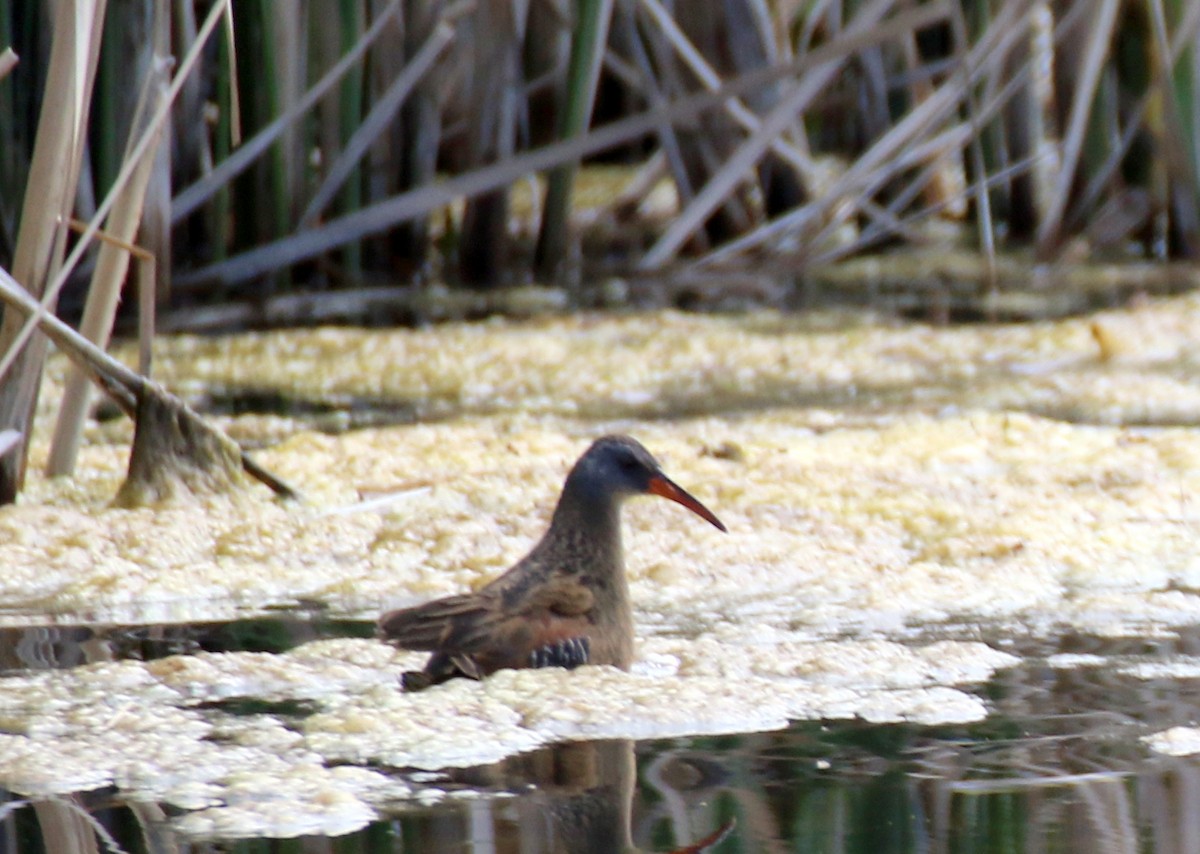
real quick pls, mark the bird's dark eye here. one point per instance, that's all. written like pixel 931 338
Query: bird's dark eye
pixel 628 462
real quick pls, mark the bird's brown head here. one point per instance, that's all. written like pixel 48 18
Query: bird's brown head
pixel 620 467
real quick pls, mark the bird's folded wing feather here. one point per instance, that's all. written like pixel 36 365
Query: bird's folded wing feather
pixel 547 611
pixel 425 628
pixel 472 621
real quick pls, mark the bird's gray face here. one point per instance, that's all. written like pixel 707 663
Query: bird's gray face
pixel 621 467
pixel 625 468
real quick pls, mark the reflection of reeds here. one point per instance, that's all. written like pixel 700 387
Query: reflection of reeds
pixel 803 131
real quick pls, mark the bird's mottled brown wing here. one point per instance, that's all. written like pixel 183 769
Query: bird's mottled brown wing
pixel 545 613
pixel 425 628
pixel 479 633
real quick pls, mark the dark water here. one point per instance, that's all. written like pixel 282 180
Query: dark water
pixel 1057 767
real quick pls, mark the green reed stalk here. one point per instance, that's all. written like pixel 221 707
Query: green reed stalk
pixel 583 74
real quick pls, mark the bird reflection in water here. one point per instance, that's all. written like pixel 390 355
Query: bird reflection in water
pixel 580 800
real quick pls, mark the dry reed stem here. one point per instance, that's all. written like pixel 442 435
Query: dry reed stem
pixel 378 120
pixel 104 292
pixel 874 233
pixel 919 87
pixel 147 291
pixel 780 118
pixel 9 439
pixel 235 102
pixel 8 61
pixel 708 77
pixel 422 200
pixel 936 149
pixel 668 140
pixel 1100 180
pixel 888 154
pixel 123 176
pixel 49 195
pixel 1103 20
pixel 193 196
pixel 82 352
pixel 641 183
pixel 146 271
pixel 814 20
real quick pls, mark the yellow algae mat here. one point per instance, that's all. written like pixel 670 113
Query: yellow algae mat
pixel 876 479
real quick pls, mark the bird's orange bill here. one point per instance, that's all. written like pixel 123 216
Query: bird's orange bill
pixel 664 486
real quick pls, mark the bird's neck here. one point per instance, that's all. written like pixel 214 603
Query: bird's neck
pixel 585 509
pixel 585 539
pixel 587 521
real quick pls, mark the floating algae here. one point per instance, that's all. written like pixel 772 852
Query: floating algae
pixel 158 731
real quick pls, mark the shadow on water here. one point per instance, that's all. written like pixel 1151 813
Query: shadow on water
pixel 61 646
pixel 1058 766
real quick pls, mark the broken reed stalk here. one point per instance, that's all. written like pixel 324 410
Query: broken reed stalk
pixel 77 392
pixel 887 154
pixel 710 80
pixel 652 86
pixel 933 152
pixel 43 222
pixel 85 239
pixel 875 234
pixel 173 445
